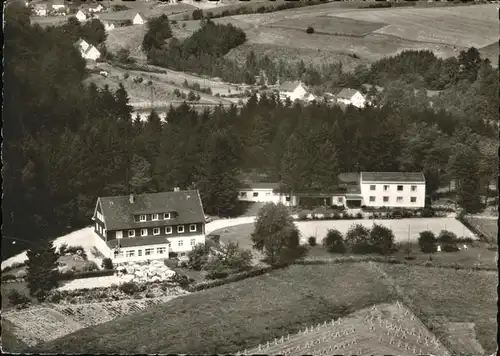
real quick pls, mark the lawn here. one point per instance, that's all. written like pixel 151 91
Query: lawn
pixel 451 296
pixel 235 316
pixel 10 343
pixel 319 228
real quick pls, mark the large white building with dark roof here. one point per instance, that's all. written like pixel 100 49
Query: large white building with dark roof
pixel 150 226
pixel 354 190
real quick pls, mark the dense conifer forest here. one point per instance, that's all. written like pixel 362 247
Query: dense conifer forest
pixel 65 144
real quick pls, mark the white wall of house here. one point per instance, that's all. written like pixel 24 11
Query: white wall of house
pixel 297 93
pixel 356 100
pixel 138 20
pixel 92 54
pixel 178 244
pixel 380 194
pixel 40 12
pixel 80 16
pixel 266 196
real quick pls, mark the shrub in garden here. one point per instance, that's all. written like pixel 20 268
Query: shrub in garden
pixel 448 240
pixel 359 216
pixel 42 273
pixel 309 30
pixel 129 288
pixel 198 257
pixel 63 249
pixel 17 298
pixel 172 255
pixel 107 263
pixel 312 241
pixel 334 241
pixel 302 216
pixel 90 267
pixel 358 239
pixel 428 212
pixel 427 242
pixel 381 239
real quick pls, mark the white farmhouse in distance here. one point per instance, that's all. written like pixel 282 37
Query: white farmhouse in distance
pixel 295 91
pixel 95 8
pixel 58 5
pixel 91 53
pixel 109 26
pixel 82 45
pixel 138 19
pixel 80 16
pixel 351 97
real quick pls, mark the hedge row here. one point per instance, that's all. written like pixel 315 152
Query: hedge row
pixel 233 278
pixel 475 230
pixel 391 260
pixel 80 275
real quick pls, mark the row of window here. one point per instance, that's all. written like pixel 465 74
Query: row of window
pixel 168 230
pixel 155 217
pixel 399 188
pixel 101 230
pixel 99 216
pixel 398 199
pixel 256 194
pixel 150 251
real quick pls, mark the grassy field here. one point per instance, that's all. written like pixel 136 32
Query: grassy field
pixel 235 316
pixel 10 343
pixel 450 296
pixel 330 25
pixel 463 26
pixel 365 332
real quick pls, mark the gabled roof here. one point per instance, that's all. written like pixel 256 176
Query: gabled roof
pixel 91 47
pixel 119 213
pixel 140 14
pixel 348 177
pixel 290 86
pixel 415 177
pixel 346 93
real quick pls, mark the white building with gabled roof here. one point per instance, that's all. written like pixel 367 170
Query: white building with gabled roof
pixel 81 16
pixel 138 19
pixel 353 97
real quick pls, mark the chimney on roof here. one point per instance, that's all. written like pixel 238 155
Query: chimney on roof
pixel 131 199
pixel 177 189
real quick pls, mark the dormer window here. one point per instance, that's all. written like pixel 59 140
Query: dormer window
pixel 142 218
pixel 155 217
pixel 166 216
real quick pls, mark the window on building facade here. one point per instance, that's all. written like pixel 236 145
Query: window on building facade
pixel 255 194
pixel 139 252
pixel 287 199
pixel 166 216
pixel 243 194
pixel 96 227
pixel 399 199
pixel 169 244
pixel 148 251
pixel 131 233
pixel 193 242
pixel 413 188
pixel 372 187
pixel 180 243
pixel 372 199
pixel 118 254
pixel 400 188
pixel 192 227
pixel 268 194
pixel 413 199
pixel 180 229
pixel 142 218
pixel 386 188
pixel 339 200
pixel 161 250
pixel 155 217
pixel 144 232
pixel 386 199
pixel 130 253
pixel 156 231
pixel 168 230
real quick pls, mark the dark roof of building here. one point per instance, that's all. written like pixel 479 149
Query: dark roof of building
pixel 393 177
pixel 261 185
pixel 346 93
pixel 349 177
pixel 290 86
pixel 119 213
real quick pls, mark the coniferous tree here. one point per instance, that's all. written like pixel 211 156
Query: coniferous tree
pixel 42 269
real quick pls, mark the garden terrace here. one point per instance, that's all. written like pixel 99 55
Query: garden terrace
pixel 235 316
